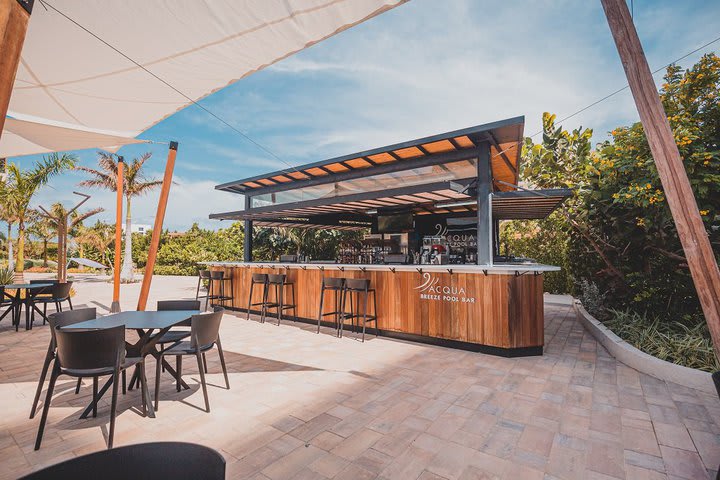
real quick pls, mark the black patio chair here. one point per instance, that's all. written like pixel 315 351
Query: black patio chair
pixel 175 334
pixel 92 353
pixel 56 294
pixel 59 319
pixel 204 334
pixel 146 461
pixel 6 301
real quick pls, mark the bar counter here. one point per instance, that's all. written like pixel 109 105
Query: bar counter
pixel 496 309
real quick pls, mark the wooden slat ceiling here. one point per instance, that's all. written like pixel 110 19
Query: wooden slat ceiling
pixel 506 206
pixel 505 139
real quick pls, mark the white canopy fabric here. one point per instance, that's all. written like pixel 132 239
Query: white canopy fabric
pixel 67 75
pixel 86 262
pixel 21 137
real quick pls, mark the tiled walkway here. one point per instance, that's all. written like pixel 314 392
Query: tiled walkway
pixel 308 406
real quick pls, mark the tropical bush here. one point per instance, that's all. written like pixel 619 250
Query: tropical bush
pixel 616 236
pixel 677 342
pixel 7 275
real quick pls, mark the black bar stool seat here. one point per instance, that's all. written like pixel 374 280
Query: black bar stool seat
pixel 337 286
pixel 359 291
pixel 278 282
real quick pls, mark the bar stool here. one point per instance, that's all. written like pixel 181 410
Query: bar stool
pixel 358 289
pixel 202 275
pixel 336 285
pixel 219 277
pixel 257 279
pixel 278 282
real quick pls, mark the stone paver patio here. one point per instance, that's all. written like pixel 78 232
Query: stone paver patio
pixel 308 406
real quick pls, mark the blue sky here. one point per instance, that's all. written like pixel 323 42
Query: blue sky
pixel 425 67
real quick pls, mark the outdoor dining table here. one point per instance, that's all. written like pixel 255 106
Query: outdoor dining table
pixel 18 300
pixel 145 323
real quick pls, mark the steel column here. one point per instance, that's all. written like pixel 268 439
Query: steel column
pixel 247 251
pixel 484 213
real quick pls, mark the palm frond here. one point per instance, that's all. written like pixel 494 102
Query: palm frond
pixel 82 216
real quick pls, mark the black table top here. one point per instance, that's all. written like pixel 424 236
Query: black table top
pixel 137 320
pixel 20 286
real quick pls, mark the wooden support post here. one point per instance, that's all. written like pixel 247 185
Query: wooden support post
pixel 679 194
pixel 157 229
pixel 484 187
pixel 14 18
pixel 119 186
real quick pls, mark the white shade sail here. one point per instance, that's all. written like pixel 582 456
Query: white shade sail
pixel 21 137
pixel 197 47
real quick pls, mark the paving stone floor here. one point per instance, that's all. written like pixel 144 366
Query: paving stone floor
pixel 308 406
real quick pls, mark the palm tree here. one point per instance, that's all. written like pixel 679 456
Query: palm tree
pixel 99 237
pixel 65 220
pixel 19 188
pixel 135 185
pixel 43 229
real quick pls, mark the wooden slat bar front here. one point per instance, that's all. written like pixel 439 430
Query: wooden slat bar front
pixel 495 310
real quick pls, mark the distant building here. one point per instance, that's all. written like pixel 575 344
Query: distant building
pixel 139 228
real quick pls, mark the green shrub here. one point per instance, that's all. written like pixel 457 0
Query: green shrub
pixel 6 275
pixel 676 342
pixel 592 299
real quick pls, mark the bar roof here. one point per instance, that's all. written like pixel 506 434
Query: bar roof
pixel 443 198
pixel 505 138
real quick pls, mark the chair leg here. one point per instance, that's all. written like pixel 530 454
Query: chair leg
pixel 77 387
pixel 222 363
pixel 202 380
pixel 143 388
pixel 157 381
pixel 197 292
pixel 124 383
pixel 41 382
pixel 95 390
pixel 204 363
pixel 70 303
pixel 178 368
pixel 113 408
pixel 46 407
pixel 44 312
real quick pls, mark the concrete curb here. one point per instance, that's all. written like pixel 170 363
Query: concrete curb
pixel 641 361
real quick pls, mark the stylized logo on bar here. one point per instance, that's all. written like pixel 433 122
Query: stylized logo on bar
pixel 441 230
pixel 428 282
pixel 432 289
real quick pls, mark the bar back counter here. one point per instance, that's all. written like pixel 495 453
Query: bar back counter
pixel 429 211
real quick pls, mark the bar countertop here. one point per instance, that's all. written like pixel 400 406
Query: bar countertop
pixel 496 269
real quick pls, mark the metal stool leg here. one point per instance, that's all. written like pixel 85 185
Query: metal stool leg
pixel 279 291
pixel 322 300
pixel 377 329
pixel 364 315
pixel 252 287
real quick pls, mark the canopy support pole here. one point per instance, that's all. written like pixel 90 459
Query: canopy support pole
pixel 119 186
pixel 157 229
pixel 680 197
pixel 14 18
